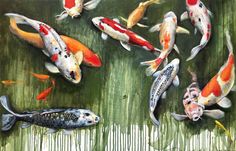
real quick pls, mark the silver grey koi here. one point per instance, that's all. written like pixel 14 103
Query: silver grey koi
pixel 163 80
pixel 54 119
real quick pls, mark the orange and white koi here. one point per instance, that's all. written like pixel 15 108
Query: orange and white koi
pixel 41 77
pixel 64 62
pixel 168 30
pixel 221 84
pixel 89 57
pixel 200 18
pixel 193 110
pixel 138 14
pixel 74 8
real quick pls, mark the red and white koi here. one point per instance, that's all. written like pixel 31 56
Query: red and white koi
pixel 168 30
pixel 193 110
pixel 74 8
pixel 200 18
pixel 117 31
pixel 64 61
pixel 221 84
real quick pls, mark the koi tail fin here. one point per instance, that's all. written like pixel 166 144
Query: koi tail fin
pixel 154 120
pixel 198 48
pixel 153 65
pixel 19 19
pixel 193 74
pixel 229 43
pixel 8 120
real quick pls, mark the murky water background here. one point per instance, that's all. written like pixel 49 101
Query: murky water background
pixel 119 90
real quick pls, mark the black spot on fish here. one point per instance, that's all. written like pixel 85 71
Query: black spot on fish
pixel 72 74
pixel 200 5
pixel 59 53
pixel 199 19
pixel 65 56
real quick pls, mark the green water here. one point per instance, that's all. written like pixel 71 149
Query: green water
pixel 119 90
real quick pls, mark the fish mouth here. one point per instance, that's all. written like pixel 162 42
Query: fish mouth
pixel 96 21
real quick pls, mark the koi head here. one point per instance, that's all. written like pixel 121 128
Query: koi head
pixel 192 2
pixel 75 12
pixel 86 117
pixel 97 21
pixel 69 67
pixel 171 15
pixel 193 109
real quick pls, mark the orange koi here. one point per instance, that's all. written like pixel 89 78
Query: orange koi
pixel 41 77
pixel 221 84
pixel 44 94
pixel 8 82
pixel 138 14
pixel 89 58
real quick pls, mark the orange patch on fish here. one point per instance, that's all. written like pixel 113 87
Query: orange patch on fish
pixel 212 87
pixel 226 73
pixel 166 41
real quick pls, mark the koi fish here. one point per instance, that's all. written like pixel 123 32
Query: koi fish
pixel 41 77
pixel 168 30
pixel 54 119
pixel 45 93
pixel 138 14
pixel 193 110
pixel 74 8
pixel 164 79
pixel 221 126
pixel 117 31
pixel 200 18
pixel 8 82
pixel 89 58
pixel 64 61
pixel 221 84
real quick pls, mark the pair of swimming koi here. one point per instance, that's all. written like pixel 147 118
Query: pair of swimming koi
pixel 65 53
pixel 214 92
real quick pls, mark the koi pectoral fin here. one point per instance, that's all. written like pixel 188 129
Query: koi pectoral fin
pixel 79 57
pixel 51 68
pixel 125 45
pixel 210 13
pixel 62 16
pixel 91 4
pixel 122 18
pixel 184 16
pixel 225 103
pixel 179 117
pixel 45 52
pixel 104 36
pixel 25 125
pixel 215 114
pixel 176 48
pixel 176 81
pixel 142 25
pixel 182 30
pixel 157 27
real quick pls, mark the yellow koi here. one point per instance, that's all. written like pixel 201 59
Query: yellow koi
pixel 221 126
